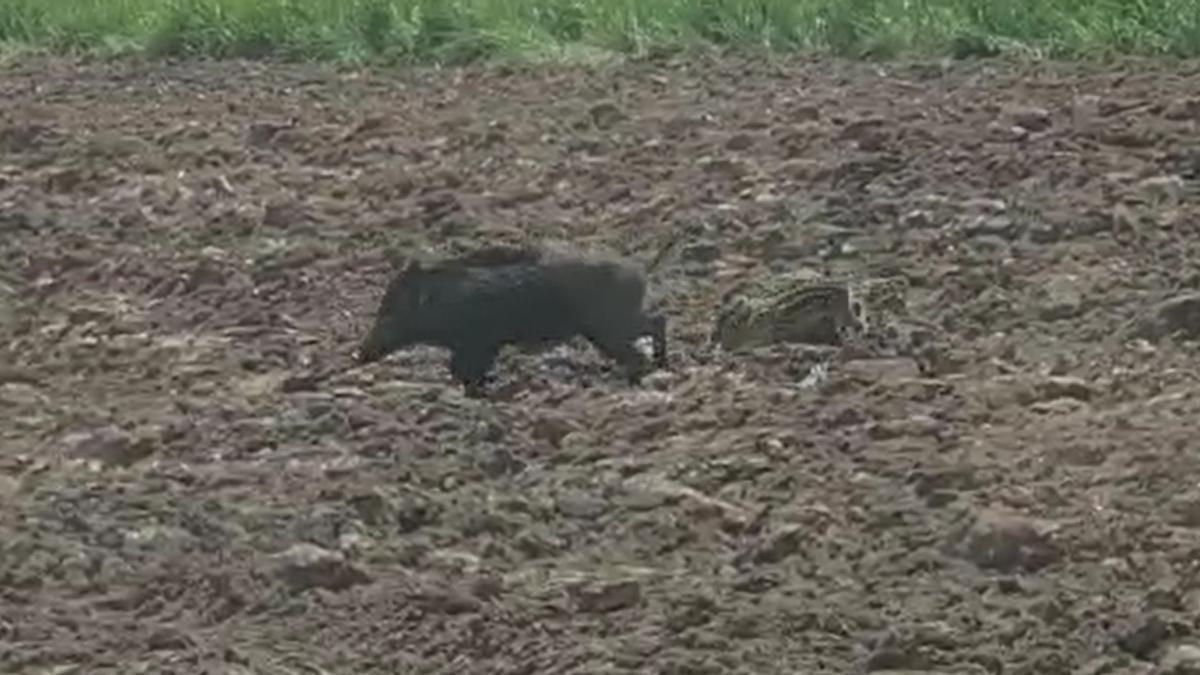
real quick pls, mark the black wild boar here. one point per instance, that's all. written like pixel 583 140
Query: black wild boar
pixel 475 304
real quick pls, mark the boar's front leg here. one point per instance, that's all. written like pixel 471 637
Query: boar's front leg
pixel 656 327
pixel 469 365
pixel 620 348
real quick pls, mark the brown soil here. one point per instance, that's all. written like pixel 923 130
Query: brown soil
pixel 181 246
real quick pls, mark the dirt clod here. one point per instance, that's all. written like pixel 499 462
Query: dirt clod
pixel 1005 543
pixel 779 545
pixel 1182 659
pixel 1063 298
pixel 608 596
pixel 109 445
pixel 306 566
pixel 1179 315
pixel 1032 119
pixel 1144 636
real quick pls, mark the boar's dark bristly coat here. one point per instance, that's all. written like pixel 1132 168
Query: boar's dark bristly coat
pixel 475 304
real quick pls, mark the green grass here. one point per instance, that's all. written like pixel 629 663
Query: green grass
pixel 460 30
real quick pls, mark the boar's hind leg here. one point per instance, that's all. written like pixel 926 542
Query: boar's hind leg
pixel 620 348
pixel 656 328
pixel 470 367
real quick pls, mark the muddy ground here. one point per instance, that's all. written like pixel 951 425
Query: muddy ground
pixel 182 246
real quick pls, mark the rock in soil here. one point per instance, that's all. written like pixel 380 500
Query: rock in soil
pixel 306 566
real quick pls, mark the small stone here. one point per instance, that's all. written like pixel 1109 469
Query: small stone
pixel 739 142
pixel 552 429
pixel 1060 406
pixel 443 600
pixel 1144 637
pixel 743 626
pixel 1185 510
pixel 874 141
pixel 498 461
pixel 659 380
pixel 650 430
pixel 9 487
pixel 1085 111
pixel 1004 543
pixel 486 521
pixel 372 507
pixel 637 498
pixel 683 124
pixel 1045 233
pixel 1164 597
pixel 1006 133
pixel 914 426
pixel 354 543
pixel 487 586
pixel 301 382
pixel 1161 190
pixel 991 207
pixel 582 506
pixel 453 562
pixel 16 374
pixel 537 543
pixel 20 394
pixel 607 597
pixel 1065 387
pixel 110 445
pixel 605 114
pixel 413 512
pixel 729 168
pixel 1008 585
pixel 916 219
pixel 1083 453
pixel 1181 659
pixel 926 482
pixel 690 611
pixel 168 639
pixel 648 491
pixel 806 113
pixel 1183 109
pixel 881 370
pixel 261 133
pixel 1112 665
pixel 779 545
pixel 306 566
pixel 756 581
pixel 1003 391
pixel 1180 314
pixel 1000 226
pixel 1062 298
pixel 1126 219
pixel 988 247
pixel 701 252
pixel 1129 137
pixel 1032 119
pixel 860 129
pixel 894 655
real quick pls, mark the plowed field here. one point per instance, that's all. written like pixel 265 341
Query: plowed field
pixel 181 246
